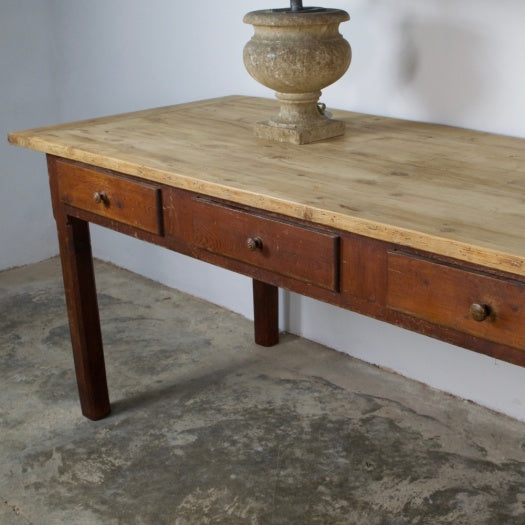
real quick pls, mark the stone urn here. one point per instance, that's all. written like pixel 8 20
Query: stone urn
pixel 297 53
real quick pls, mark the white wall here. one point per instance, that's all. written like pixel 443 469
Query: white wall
pixel 450 61
pixel 28 98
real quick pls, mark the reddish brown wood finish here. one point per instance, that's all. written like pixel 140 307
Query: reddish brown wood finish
pixel 265 313
pixel 130 202
pixel 444 294
pixel 363 272
pixel 303 253
pixel 82 307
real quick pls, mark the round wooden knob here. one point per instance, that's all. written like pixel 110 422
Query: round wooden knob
pixel 254 243
pixel 479 312
pixel 100 197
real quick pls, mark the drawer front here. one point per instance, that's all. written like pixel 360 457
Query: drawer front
pixel 291 250
pixel 134 203
pixel 474 303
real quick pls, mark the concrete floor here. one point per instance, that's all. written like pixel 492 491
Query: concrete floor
pixel 207 428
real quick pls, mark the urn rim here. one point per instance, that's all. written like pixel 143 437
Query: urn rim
pixel 285 17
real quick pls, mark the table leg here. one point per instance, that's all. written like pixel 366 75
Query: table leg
pixel 266 313
pixel 84 322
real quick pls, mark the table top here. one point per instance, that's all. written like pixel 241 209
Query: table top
pixel 446 190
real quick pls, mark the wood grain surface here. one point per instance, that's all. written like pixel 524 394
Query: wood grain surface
pixel 445 295
pixel 450 191
pixel 135 203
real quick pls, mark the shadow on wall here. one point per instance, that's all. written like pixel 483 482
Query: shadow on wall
pixel 441 67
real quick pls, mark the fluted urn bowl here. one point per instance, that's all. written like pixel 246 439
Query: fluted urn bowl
pixel 297 53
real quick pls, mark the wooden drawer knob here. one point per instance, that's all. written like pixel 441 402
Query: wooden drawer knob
pixel 254 243
pixel 100 197
pixel 479 312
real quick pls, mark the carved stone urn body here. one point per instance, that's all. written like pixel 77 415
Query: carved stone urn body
pixel 297 53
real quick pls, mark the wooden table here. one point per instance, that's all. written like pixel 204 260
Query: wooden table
pixel 415 224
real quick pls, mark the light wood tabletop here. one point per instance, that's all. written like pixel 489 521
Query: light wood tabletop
pixel 450 191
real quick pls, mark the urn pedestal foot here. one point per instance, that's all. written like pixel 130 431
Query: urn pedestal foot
pixel 299 121
pixel 296 135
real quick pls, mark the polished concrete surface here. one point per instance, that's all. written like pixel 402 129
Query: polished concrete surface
pixel 208 428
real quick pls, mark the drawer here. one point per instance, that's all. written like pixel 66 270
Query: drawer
pixel 472 302
pixel 137 204
pixel 300 252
